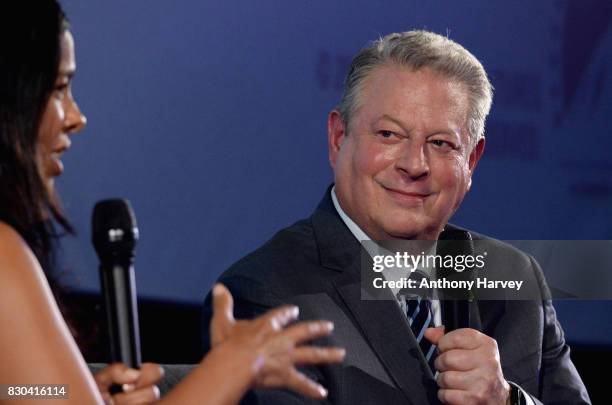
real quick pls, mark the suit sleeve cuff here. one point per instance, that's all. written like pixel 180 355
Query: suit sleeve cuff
pixel 520 396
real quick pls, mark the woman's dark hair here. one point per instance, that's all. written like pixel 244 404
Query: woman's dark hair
pixel 30 53
pixel 30 50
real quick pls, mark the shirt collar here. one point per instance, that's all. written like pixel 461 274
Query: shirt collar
pixel 352 226
pixel 372 248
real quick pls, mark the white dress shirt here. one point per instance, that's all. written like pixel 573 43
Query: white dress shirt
pixel 396 274
pixel 393 274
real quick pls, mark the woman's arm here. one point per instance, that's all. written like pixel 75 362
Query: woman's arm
pixel 36 346
pixel 260 353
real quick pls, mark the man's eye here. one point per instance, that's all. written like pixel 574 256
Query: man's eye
pixel 386 134
pixel 442 144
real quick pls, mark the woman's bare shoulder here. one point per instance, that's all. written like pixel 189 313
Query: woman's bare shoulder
pixel 38 336
pixel 16 258
pixel 8 234
pixel 20 271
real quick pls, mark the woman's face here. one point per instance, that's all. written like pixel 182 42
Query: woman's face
pixel 61 117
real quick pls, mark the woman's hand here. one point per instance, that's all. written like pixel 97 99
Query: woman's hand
pixel 271 348
pixel 138 385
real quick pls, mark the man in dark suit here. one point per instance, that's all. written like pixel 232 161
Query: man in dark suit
pixel 404 143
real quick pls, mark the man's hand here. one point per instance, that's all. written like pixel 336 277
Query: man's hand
pixel 138 385
pixel 469 368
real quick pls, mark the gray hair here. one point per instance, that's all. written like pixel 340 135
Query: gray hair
pixel 416 50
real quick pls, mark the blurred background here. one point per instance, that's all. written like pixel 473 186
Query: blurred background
pixel 210 117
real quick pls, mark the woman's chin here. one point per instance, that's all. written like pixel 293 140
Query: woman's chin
pixel 53 168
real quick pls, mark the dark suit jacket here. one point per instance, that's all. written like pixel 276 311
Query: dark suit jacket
pixel 315 264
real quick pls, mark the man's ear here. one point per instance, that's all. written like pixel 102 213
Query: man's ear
pixel 475 157
pixel 336 131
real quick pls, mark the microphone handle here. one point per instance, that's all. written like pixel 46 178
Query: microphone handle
pixel 455 314
pixel 118 284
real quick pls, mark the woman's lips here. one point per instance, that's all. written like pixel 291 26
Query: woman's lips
pixel 55 159
pixel 63 145
pixel 57 166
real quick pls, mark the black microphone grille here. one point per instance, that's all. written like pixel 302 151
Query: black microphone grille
pixel 455 242
pixel 114 228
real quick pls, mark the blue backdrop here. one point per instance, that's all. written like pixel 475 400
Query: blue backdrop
pixel 210 117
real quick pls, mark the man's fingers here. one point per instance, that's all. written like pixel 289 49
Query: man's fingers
pixel 310 330
pixel 117 373
pixel 301 384
pixel 223 303
pixel 455 360
pixel 139 396
pixel 150 373
pixel 466 339
pixel 317 355
pixel 454 397
pixel 460 380
pixel 434 334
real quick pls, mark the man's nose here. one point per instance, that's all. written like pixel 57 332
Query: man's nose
pixel 413 161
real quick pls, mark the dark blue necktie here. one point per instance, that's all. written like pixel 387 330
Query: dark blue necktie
pixel 420 316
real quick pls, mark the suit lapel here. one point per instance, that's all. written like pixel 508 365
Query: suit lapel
pixel 381 322
pixel 385 328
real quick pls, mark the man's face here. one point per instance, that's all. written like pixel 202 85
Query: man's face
pixel 405 162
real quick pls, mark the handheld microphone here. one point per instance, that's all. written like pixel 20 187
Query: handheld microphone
pixel 455 303
pixel 114 236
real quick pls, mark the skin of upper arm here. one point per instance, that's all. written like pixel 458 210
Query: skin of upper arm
pixel 36 346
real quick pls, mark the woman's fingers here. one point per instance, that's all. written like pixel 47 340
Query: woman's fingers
pixel 276 319
pixel 305 331
pixel 223 314
pixel 138 385
pixel 308 355
pixel 150 373
pixel 301 384
pixel 223 303
pixel 281 350
pixel 144 395
pixel 222 320
pixel 117 373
